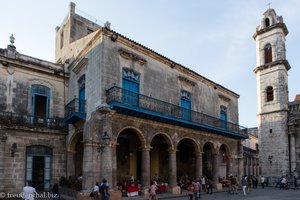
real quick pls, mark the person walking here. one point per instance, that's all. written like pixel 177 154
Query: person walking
pixel 96 191
pixel 190 190
pixel 210 185
pixel 295 183
pixel 104 190
pixel 29 191
pixel 250 183
pixel 55 192
pixel 152 193
pixel 244 183
pixel 262 181
pixel 233 182
pixel 197 189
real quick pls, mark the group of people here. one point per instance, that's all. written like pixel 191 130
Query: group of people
pixel 102 189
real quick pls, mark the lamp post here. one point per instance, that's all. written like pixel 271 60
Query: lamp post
pixel 104 142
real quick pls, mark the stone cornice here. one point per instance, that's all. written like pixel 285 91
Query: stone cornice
pixel 271 64
pixel 277 25
pixel 226 99
pixel 186 80
pixel 80 65
pixel 131 56
pixel 31 66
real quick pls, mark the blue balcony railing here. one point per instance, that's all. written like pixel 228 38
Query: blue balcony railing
pixel 29 121
pixel 127 100
pixel 74 111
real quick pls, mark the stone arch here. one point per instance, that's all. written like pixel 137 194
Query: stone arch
pixel 130 142
pixel 224 161
pixel 194 142
pixel 213 145
pixel 71 144
pixel 166 137
pixel 209 150
pixel 187 157
pixel 139 133
pixel 75 154
pixel 161 145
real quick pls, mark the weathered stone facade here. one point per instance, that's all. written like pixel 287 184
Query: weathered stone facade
pixel 277 134
pixel 131 111
pixel 160 117
pixel 32 133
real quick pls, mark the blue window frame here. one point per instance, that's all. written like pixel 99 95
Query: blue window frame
pixel 185 105
pixel 223 116
pixel 40 100
pixel 81 94
pixel 131 87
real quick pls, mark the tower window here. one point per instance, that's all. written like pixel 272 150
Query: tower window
pixel 62 39
pixel 267 22
pixel 268 53
pixel 270 94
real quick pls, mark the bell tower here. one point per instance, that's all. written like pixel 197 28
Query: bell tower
pixel 272 94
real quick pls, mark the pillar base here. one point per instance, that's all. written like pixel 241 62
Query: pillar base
pixel 115 195
pixel 145 192
pixel 219 186
pixel 175 190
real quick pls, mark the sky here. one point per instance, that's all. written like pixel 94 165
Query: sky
pixel 211 37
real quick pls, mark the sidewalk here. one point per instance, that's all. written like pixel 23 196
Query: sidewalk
pixel 167 195
pixel 268 193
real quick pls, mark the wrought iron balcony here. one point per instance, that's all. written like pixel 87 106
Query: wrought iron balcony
pixel 148 107
pixel 29 121
pixel 75 111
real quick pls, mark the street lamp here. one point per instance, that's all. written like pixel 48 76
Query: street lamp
pixel 104 142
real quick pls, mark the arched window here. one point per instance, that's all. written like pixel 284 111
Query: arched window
pixel 268 53
pixel 267 22
pixel 270 94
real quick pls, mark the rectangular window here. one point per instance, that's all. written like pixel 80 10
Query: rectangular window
pixel 130 88
pixel 61 39
pixel 186 105
pixel 223 117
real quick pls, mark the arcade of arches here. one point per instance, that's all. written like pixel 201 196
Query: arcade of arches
pixel 158 150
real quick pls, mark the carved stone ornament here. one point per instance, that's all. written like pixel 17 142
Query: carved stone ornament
pixel 10 70
pixel 186 80
pixel 131 56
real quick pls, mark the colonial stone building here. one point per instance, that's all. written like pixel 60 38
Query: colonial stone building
pixel 131 112
pixel 134 112
pixel 251 153
pixel 32 131
pixel 278 119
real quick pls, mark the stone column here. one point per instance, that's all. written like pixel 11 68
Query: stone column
pixel 145 179
pixel 216 168
pixel 173 173
pixel 172 168
pixel 229 167
pixel 3 139
pixel 114 166
pixel 293 153
pixel 199 165
pixel 70 163
pixel 108 154
pixel 88 176
pixel 240 160
pixel 107 165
